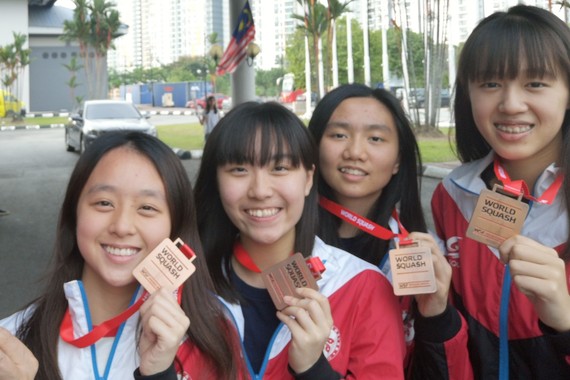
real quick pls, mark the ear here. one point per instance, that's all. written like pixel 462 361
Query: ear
pixel 309 181
pixel 396 167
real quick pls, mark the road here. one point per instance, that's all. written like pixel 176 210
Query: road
pixel 34 170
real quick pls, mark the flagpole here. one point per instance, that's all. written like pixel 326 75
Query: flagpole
pixel 243 78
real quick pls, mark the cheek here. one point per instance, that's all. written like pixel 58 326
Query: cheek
pixel 328 157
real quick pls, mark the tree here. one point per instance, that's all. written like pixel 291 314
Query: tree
pixel 73 67
pixel 94 26
pixel 314 23
pixel 13 60
pixel 437 16
pixel 334 11
pixel 266 82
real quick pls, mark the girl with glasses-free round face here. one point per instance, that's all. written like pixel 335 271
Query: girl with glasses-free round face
pixel 359 152
pixel 122 215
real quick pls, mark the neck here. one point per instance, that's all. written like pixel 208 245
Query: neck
pixel 267 255
pixel 360 206
pixel 264 256
pixel 529 169
pixel 106 302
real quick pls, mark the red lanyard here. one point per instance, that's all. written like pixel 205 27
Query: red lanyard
pixel 363 223
pixel 99 331
pixel 520 187
pixel 315 264
pixel 108 327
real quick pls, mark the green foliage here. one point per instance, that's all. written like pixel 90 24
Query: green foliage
pixel 73 67
pixel 13 59
pixel 295 55
pixel 94 25
pixel 266 82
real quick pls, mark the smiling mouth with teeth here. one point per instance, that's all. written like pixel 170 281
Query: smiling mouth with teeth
pixel 514 129
pixel 120 251
pixel 352 171
pixel 263 213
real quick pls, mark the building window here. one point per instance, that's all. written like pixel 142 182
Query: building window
pixel 54 55
pixel 45 55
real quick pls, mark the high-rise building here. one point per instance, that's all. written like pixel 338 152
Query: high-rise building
pixel 162 31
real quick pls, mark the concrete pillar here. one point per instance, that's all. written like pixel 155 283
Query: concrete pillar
pixel 243 78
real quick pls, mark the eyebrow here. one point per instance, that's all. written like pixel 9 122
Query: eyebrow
pixel 345 125
pixel 112 189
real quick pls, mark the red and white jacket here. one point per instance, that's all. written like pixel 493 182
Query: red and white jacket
pixel 366 341
pixel 482 290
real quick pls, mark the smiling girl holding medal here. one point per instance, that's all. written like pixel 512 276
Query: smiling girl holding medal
pixel 512 120
pixel 127 193
pixel 257 204
pixel 368 168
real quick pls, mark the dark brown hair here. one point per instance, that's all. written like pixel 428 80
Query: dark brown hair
pixel 403 188
pixel 209 331
pixel 233 140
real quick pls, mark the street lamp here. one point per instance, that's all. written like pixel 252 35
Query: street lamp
pixel 216 53
pixel 251 52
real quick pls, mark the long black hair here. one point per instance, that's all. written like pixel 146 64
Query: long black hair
pixel 233 140
pixel 209 330
pixel 495 48
pixel 403 188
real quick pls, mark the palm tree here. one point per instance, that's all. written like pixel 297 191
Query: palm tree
pixel 13 59
pixel 215 53
pixel 314 22
pixel 94 26
pixel 335 10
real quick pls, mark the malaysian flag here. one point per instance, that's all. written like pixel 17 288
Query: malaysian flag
pixel 243 34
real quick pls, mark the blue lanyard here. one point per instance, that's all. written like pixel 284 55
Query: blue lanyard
pixel 504 326
pixel 115 341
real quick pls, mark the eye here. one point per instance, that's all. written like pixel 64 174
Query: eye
pixel 536 85
pixel 235 169
pixel 377 139
pixel 338 136
pixel 103 204
pixel 148 208
pixel 489 85
pixel 282 166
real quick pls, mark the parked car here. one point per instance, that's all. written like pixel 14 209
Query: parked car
pixel 417 97
pixel 97 117
pixel 445 99
pixel 200 103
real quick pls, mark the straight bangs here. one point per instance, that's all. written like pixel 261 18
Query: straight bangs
pixel 505 47
pixel 259 137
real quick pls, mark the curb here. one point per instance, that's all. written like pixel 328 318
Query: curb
pixel 18 127
pixel 436 172
pixel 176 112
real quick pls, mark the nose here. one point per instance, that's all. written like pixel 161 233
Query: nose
pixel 355 150
pixel 260 184
pixel 513 100
pixel 123 221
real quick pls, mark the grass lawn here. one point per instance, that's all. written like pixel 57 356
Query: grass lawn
pixel 34 121
pixel 437 149
pixel 183 136
pixel 191 137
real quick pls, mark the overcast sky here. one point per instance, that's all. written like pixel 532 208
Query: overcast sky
pixel 65 3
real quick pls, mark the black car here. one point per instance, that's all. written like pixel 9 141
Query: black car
pixel 97 117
